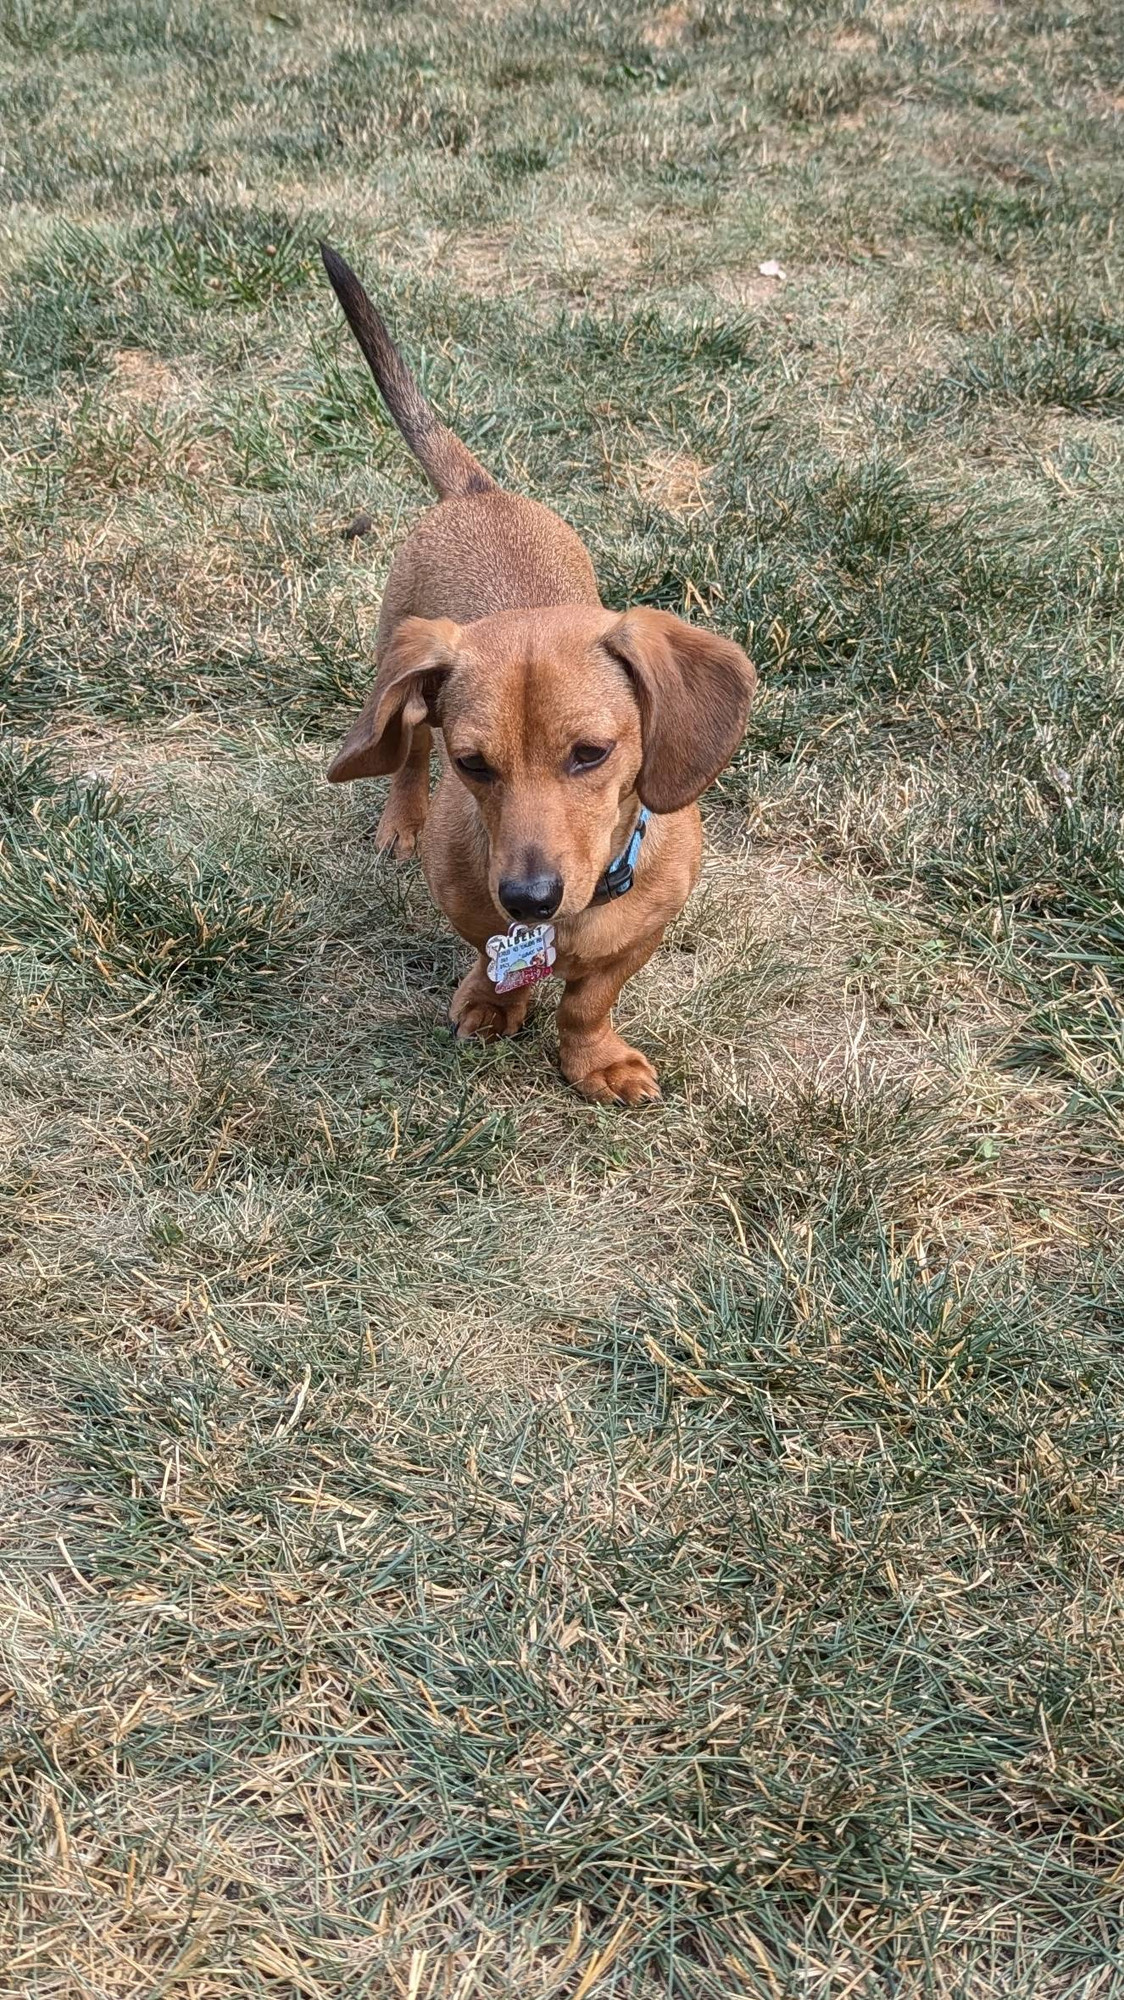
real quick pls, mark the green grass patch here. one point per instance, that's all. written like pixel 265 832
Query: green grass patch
pixel 91 896
pixel 88 290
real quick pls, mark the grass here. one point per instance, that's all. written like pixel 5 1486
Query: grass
pixel 457 1542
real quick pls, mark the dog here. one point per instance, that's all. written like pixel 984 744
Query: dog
pixel 576 742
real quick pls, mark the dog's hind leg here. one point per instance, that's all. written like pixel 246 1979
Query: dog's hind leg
pixel 403 815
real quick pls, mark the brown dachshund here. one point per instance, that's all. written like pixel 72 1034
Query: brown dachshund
pixel 576 740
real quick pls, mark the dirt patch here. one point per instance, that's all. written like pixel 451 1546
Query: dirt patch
pixel 140 377
pixel 675 480
pixel 748 289
pixel 669 25
pixel 477 260
pixel 852 41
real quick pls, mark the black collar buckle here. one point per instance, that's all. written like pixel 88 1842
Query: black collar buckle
pixel 617 880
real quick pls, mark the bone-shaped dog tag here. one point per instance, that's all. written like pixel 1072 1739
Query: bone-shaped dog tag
pixel 521 956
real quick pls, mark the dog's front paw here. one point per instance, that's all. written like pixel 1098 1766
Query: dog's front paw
pixel 625 1077
pixel 476 1009
pixel 480 1018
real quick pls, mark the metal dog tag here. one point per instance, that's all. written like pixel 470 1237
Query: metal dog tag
pixel 521 956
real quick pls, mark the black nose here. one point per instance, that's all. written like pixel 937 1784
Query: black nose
pixel 531 900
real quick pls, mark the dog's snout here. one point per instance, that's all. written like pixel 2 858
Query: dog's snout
pixel 531 898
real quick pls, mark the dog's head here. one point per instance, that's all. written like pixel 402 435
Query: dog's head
pixel 553 719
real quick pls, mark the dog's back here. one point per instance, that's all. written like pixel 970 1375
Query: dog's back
pixel 480 553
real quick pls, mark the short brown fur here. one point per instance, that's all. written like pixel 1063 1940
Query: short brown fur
pixel 493 633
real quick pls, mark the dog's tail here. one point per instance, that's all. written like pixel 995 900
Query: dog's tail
pixel 445 460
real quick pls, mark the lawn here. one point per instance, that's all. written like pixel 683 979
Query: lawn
pixel 456 1542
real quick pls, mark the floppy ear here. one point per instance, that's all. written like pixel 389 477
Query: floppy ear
pixel 693 691
pixel 406 692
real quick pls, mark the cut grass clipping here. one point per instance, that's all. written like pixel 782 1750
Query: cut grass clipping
pixel 456 1543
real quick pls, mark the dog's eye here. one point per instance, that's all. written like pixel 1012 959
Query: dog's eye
pixel 475 767
pixel 584 756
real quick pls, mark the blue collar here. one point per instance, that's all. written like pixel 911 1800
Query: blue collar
pixel 621 873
